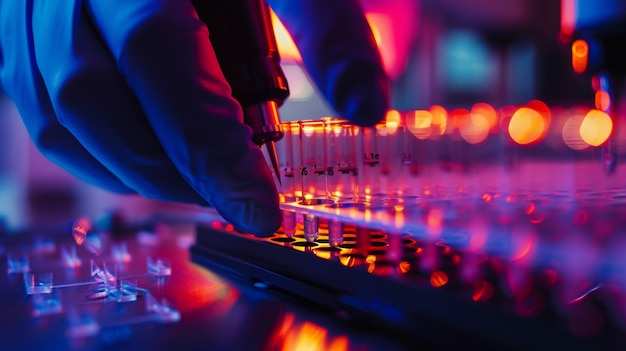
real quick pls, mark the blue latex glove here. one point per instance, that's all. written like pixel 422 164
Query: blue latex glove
pixel 128 95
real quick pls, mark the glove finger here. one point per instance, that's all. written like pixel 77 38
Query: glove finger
pixel 164 53
pixel 93 102
pixel 340 53
pixel 22 82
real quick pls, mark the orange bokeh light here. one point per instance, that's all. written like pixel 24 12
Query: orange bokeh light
pixel 596 128
pixel 488 113
pixel 439 118
pixel 392 121
pixel 580 55
pixel 420 123
pixel 474 128
pixel 526 126
pixel 438 279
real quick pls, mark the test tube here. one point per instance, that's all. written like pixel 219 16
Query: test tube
pixel 288 155
pixel 313 171
pixel 341 155
pixel 374 167
pixel 313 162
pixel 407 189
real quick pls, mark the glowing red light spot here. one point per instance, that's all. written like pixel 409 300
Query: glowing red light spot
pixel 456 259
pixel 438 279
pixel 483 291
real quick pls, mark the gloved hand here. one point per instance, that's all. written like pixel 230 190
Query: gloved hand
pixel 128 95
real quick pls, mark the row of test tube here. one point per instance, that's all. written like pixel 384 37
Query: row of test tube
pixel 334 163
pixel 394 165
pixel 337 163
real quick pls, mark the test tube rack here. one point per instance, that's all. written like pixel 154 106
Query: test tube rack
pixel 501 243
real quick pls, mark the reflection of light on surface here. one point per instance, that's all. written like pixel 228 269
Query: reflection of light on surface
pixel 286 325
pixel 85 236
pixel 311 337
pixel 478 236
pixel 474 128
pixel 483 291
pixel 347 260
pixel 434 221
pixel 531 208
pixel 368 215
pixel 571 133
pixel 308 131
pixel 308 197
pixel 399 219
pixel 339 344
pixel 526 126
pixel 404 267
pixel 286 47
pixel 439 118
pixel 596 127
pixel 585 294
pixel 438 279
pixel 325 254
pixel 603 100
pixel 80 228
pixel 524 249
pixel 580 55
pixel 538 218
pixel 202 289
pixel 419 123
